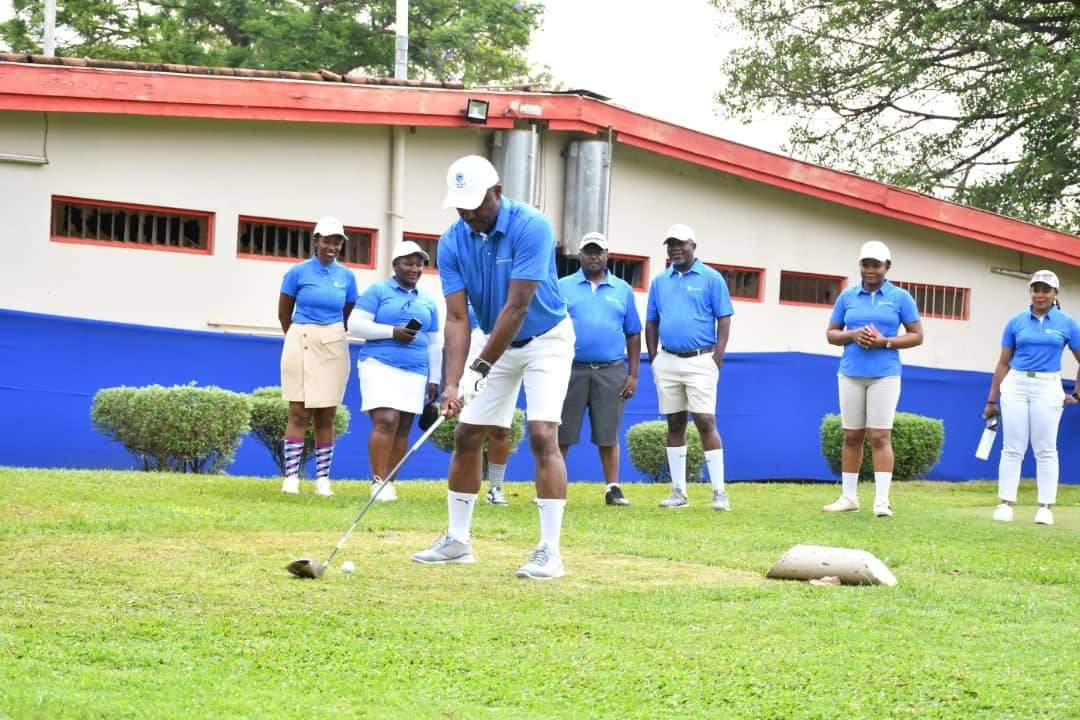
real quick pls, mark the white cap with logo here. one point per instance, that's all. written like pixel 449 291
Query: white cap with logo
pixel 875 250
pixel 329 226
pixel 680 232
pixel 593 238
pixel 1045 276
pixel 407 248
pixel 467 182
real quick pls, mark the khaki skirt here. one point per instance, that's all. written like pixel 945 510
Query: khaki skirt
pixel 315 365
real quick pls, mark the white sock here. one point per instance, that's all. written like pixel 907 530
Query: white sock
pixel 460 507
pixel 714 460
pixel 611 485
pixel 551 512
pixel 495 475
pixel 849 482
pixel 882 480
pixel 676 458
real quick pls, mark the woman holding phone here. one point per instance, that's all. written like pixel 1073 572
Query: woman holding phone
pixel 400 365
pixel 866 320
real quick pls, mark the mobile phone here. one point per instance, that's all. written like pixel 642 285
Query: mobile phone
pixel 413 324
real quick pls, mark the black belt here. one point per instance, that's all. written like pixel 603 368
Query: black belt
pixel 599 365
pixel 689 353
pixel 525 341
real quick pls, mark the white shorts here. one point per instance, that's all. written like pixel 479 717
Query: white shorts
pixel 868 402
pixel 685 383
pixel 544 365
pixel 384 386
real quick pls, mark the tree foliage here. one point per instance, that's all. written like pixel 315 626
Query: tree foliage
pixel 967 99
pixel 469 40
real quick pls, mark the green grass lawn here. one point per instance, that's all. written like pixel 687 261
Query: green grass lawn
pixel 162 596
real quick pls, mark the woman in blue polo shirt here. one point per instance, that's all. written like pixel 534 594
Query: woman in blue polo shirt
pixel 316 298
pixel 865 320
pixel 1027 384
pixel 400 365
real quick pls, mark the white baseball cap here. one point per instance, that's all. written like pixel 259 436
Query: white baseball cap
pixel 408 247
pixel 1045 276
pixel 467 182
pixel 329 226
pixel 593 238
pixel 678 231
pixel 875 250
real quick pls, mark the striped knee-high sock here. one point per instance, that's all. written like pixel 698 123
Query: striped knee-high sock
pixel 323 455
pixel 294 448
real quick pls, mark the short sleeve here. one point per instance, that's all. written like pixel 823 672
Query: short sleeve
pixel 631 321
pixel 837 317
pixel 909 311
pixel 1074 335
pixel 534 250
pixel 436 321
pixel 720 297
pixel 1008 338
pixel 351 291
pixel 290 284
pixel 449 268
pixel 652 309
pixel 369 301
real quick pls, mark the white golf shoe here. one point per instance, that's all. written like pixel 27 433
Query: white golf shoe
pixel 677 499
pixel 544 564
pixel 495 496
pixel 322 487
pixel 1003 513
pixel 720 501
pixel 882 510
pixel 447 549
pixel 388 494
pixel 291 485
pixel 842 504
pixel 1044 516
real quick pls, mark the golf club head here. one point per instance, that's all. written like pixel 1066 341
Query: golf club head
pixel 306 568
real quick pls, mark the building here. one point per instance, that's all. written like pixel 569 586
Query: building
pixel 149 212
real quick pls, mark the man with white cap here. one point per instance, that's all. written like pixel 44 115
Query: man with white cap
pixel 866 320
pixel 1027 380
pixel 686 332
pixel 400 365
pixel 500 255
pixel 608 332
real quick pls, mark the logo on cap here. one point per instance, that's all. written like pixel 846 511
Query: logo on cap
pixel 459 180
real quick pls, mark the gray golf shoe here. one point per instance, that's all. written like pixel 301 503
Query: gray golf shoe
pixel 544 564
pixel 447 549
pixel 677 499
pixel 720 501
pixel 495 496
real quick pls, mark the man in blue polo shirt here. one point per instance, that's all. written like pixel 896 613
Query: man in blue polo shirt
pixel 500 256
pixel 686 332
pixel 608 332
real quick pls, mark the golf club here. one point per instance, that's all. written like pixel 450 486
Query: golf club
pixel 308 568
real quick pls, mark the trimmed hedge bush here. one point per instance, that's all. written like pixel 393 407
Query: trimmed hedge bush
pixel 182 428
pixel 270 417
pixel 647 443
pixel 443 437
pixel 917 443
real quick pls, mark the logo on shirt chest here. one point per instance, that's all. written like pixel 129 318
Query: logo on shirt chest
pixel 500 261
pixel 692 289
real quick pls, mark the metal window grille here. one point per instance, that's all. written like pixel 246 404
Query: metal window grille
pixel 429 244
pixel 294 240
pixel 630 269
pixel 130 225
pixel 742 282
pixel 809 289
pixel 938 301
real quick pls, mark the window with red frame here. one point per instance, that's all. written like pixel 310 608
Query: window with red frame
pixel 128 225
pixel 430 245
pixel 809 289
pixel 634 269
pixel 265 238
pixel 938 301
pixel 744 283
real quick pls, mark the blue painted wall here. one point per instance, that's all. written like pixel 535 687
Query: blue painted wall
pixel 770 404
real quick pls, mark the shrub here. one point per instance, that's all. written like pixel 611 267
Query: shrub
pixel 182 428
pixel 443 437
pixel 270 417
pixel 647 443
pixel 917 443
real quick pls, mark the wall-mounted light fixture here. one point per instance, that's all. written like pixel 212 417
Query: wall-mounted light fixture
pixel 476 111
pixel 1011 273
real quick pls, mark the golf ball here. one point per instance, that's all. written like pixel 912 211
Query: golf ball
pixel 347 567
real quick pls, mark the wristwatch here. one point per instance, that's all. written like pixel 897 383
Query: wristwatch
pixel 888 343
pixel 481 366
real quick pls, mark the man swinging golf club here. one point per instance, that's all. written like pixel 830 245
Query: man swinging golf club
pixel 500 255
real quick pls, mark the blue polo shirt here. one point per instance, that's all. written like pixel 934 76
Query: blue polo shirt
pixel 1037 342
pixel 473 322
pixel 392 304
pixel 887 308
pixel 520 247
pixel 602 317
pixel 687 306
pixel 321 291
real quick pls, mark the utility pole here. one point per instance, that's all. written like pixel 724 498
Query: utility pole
pixel 397 134
pixel 50 28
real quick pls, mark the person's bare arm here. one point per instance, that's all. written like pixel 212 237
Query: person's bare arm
pixel 285 306
pixel 1000 370
pixel 456 349
pixel 510 319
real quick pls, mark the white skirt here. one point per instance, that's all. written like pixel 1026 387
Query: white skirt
pixel 383 386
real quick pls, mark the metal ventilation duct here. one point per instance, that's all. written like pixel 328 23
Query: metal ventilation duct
pixel 586 203
pixel 515 155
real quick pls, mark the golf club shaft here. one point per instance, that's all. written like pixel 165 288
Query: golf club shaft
pixel 385 481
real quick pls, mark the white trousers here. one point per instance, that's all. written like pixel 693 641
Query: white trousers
pixel 1030 412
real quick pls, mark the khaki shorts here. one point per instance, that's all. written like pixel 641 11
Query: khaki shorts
pixel 685 383
pixel 315 365
pixel 868 402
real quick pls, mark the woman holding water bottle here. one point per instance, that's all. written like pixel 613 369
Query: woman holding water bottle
pixel 866 320
pixel 1026 393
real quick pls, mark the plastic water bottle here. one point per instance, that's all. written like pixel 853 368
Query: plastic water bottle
pixel 986 442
